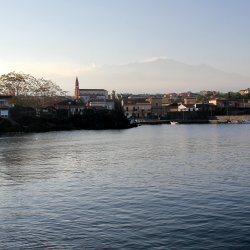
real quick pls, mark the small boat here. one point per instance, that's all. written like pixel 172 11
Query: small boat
pixel 234 122
pixel 173 122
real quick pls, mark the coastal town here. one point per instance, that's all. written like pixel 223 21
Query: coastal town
pixel 125 124
pixel 187 107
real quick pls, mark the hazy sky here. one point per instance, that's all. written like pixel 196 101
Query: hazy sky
pixel 60 39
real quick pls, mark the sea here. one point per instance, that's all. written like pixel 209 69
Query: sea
pixel 150 187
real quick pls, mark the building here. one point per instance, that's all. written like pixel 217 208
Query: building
pixel 94 98
pixel 87 95
pixel 245 91
pixel 186 107
pixel 156 106
pixel 136 107
pixel 223 103
pixel 5 105
pixel 168 108
pixel 189 100
pixel 77 92
pixel 204 107
pixel 219 102
pixel 244 104
pixel 172 96
pixel 107 104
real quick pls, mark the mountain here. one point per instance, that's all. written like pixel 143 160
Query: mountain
pixel 162 76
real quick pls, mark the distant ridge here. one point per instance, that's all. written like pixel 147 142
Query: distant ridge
pixel 165 75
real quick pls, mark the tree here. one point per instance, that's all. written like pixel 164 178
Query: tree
pixel 28 90
pixel 14 84
pixel 19 84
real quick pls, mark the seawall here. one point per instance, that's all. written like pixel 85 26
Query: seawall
pixel 231 118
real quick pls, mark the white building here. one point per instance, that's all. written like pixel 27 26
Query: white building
pixel 4 106
pixel 186 107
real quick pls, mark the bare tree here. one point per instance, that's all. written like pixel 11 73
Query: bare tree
pixel 13 84
pixel 28 90
pixel 19 84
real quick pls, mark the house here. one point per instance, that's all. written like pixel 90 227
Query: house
pixel 189 100
pixel 129 108
pixel 219 102
pixel 245 91
pixel 166 100
pixel 70 107
pixel 223 103
pixel 204 107
pixel 5 105
pixel 172 96
pixel 62 109
pixel 144 109
pixel 156 106
pixel 106 104
pixel 167 108
pixel 48 112
pixel 136 107
pixel 244 104
pixel 186 107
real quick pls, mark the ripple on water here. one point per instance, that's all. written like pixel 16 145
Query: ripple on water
pixel 154 187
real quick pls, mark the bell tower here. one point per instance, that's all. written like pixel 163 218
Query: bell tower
pixel 77 92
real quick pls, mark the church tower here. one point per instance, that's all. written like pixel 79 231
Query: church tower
pixel 77 92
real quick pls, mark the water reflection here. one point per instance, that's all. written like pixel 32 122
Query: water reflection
pixel 27 157
pixel 94 154
pixel 149 187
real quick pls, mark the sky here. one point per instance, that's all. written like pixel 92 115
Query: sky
pixel 62 39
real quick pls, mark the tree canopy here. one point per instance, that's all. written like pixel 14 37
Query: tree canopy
pixel 20 84
pixel 28 91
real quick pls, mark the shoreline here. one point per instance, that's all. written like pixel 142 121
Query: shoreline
pixel 232 119
pixel 6 126
pixel 95 121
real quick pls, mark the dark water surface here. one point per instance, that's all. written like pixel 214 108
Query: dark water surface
pixel 151 187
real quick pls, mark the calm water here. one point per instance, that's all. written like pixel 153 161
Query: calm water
pixel 151 187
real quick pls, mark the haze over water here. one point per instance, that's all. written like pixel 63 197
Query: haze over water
pixel 151 187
